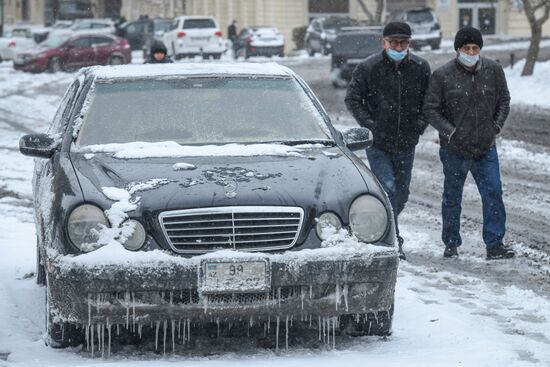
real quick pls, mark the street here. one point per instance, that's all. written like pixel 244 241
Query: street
pixel 448 312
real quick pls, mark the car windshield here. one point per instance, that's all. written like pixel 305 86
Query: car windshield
pixel 337 23
pixel 419 16
pixel 265 31
pixel 201 111
pixel 162 25
pixel 54 41
pixel 199 23
pixel 19 33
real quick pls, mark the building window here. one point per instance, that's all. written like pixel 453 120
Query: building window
pixel 478 14
pixel 318 8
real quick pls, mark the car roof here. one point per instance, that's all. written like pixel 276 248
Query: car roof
pixel 145 71
pixel 196 17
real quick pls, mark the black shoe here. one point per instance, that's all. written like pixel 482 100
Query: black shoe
pixel 450 251
pixel 400 241
pixel 499 251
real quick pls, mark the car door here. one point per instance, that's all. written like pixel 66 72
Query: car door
pixel 103 48
pixel 240 41
pixel 80 53
pixel 133 33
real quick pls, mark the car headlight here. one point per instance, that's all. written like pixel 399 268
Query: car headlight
pixel 84 226
pixel 368 218
pixel 327 224
pixel 133 235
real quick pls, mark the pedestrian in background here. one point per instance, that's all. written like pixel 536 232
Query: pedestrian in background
pixel 232 31
pixel 159 54
pixel 467 102
pixel 385 95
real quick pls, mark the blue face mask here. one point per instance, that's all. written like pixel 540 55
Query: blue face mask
pixel 467 60
pixel 396 55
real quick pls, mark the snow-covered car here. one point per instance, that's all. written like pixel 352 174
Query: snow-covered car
pixel 191 36
pixel 259 41
pixel 85 26
pixel 162 200
pixel 19 39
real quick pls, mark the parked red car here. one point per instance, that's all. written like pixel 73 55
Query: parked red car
pixel 65 52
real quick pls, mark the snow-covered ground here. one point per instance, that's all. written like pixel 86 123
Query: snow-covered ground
pixel 442 318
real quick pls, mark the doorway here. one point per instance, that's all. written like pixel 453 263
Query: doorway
pixel 480 14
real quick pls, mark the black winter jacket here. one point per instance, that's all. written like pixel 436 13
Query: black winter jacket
pixel 468 108
pixel 387 98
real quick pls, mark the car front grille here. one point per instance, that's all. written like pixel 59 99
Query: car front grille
pixel 250 228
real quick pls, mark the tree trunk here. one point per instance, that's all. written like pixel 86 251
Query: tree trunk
pixel 366 11
pixel 533 51
pixel 380 4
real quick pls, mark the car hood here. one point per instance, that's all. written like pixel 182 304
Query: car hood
pixel 324 179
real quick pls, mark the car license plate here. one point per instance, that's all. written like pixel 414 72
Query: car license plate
pixel 234 276
pixel 200 38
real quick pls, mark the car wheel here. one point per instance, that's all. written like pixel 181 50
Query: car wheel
pixel 61 335
pixel 309 50
pixel 378 324
pixel 55 65
pixel 217 56
pixel 116 60
pixel 435 46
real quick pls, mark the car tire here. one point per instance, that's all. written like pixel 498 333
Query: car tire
pixel 217 56
pixel 435 46
pixel 116 60
pixel 55 65
pixel 309 50
pixel 377 324
pixel 61 335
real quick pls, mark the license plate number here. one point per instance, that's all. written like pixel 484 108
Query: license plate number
pixel 226 276
pixel 200 38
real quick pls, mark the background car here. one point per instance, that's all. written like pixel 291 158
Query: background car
pixel 18 40
pixel 59 53
pixel 87 26
pixel 425 27
pixel 259 41
pixel 192 36
pixel 350 48
pixel 141 32
pixel 225 212
pixel 321 33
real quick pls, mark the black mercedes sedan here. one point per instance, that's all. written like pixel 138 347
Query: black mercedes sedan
pixel 174 196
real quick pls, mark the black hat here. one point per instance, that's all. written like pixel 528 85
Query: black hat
pixel 468 35
pixel 397 29
pixel 158 46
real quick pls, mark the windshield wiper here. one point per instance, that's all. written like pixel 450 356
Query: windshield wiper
pixel 329 143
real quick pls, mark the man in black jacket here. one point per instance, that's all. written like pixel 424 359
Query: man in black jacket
pixel 385 95
pixel 158 54
pixel 467 102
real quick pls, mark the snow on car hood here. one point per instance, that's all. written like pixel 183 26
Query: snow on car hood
pixel 320 177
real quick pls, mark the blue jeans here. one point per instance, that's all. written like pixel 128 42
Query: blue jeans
pixel 486 174
pixel 394 173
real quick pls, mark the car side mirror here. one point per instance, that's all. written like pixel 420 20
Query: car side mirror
pixel 38 145
pixel 357 138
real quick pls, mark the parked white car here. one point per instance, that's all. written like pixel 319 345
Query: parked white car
pixel 192 36
pixel 20 39
pixel 259 41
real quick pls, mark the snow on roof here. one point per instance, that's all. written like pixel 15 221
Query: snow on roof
pixel 185 69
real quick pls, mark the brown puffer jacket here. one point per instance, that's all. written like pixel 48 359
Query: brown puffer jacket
pixel 468 108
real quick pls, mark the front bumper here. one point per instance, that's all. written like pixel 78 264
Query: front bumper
pixel 34 66
pixel 168 290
